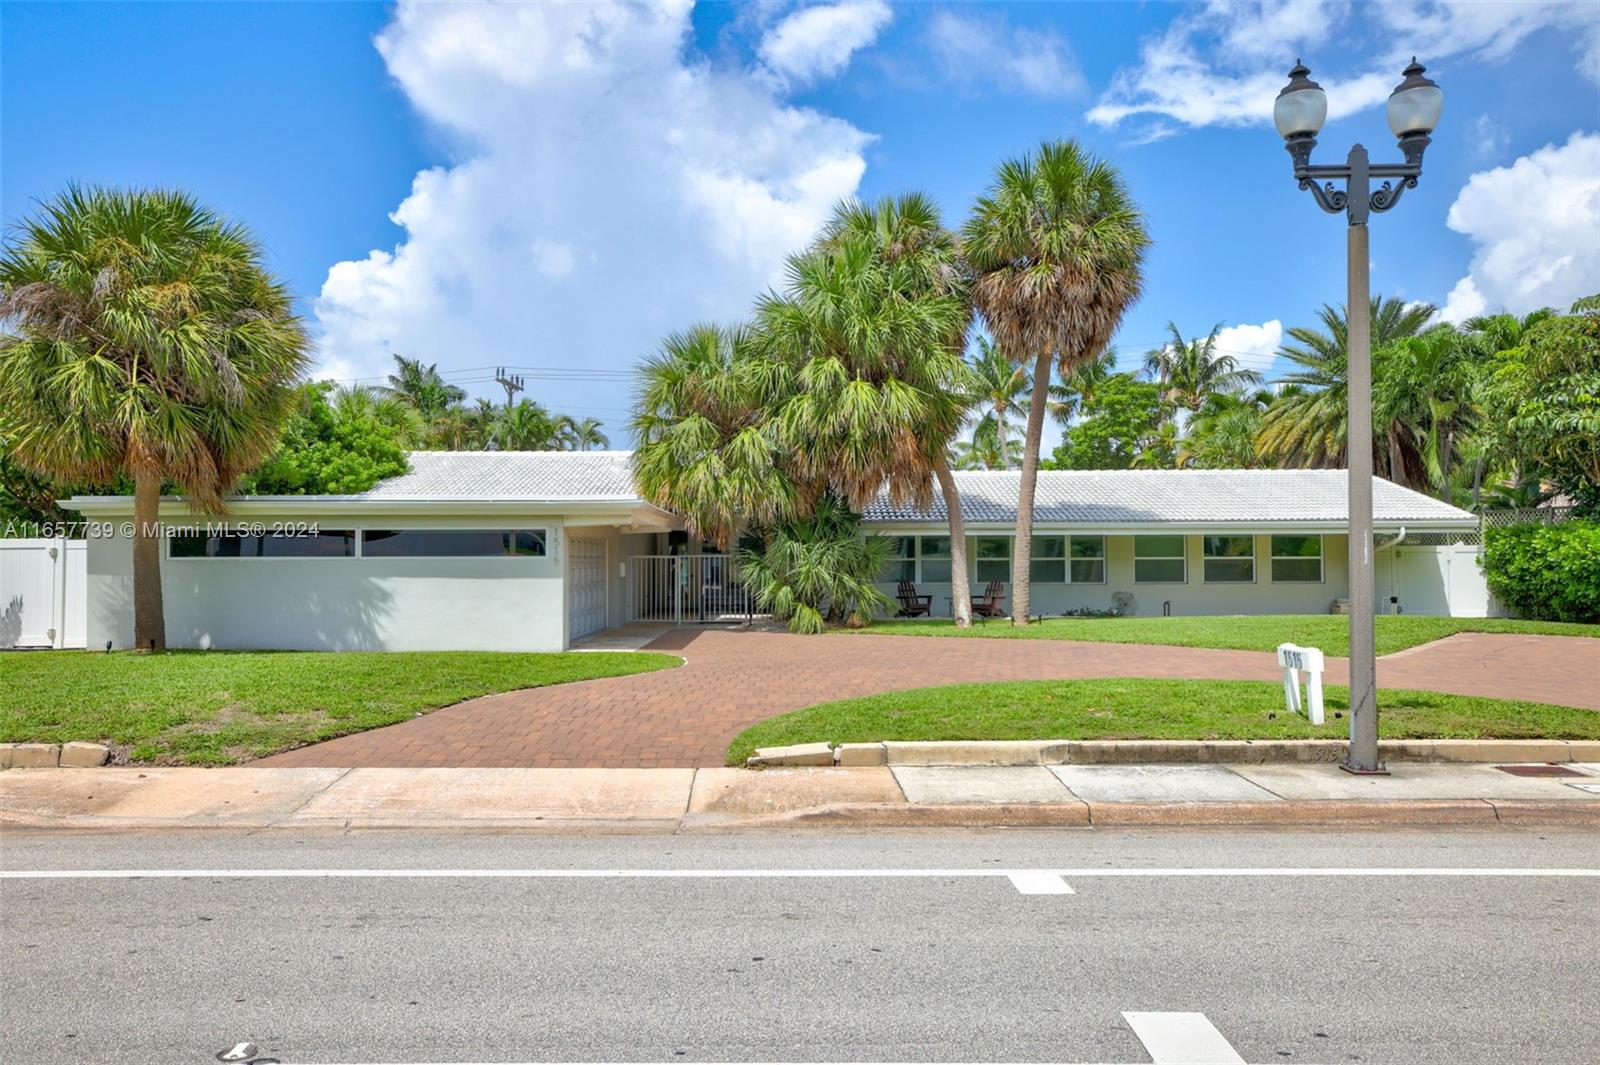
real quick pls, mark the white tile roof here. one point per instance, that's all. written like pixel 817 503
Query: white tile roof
pixel 512 476
pixel 1175 497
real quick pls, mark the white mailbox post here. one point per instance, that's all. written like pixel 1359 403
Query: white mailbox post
pixel 1295 661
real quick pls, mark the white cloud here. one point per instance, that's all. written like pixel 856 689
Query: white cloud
pixel 987 50
pixel 1253 346
pixel 816 42
pixel 1535 226
pixel 1490 137
pixel 612 186
pixel 1224 65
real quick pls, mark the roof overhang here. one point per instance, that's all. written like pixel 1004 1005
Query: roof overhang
pixel 1195 528
pixel 630 512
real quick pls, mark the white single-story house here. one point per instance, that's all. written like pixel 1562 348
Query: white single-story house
pixel 532 551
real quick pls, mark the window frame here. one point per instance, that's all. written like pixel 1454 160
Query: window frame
pixel 978 561
pixel 1182 556
pixel 1206 556
pixel 917 557
pixel 509 553
pixel 1322 559
pixel 352 533
pixel 1105 568
pixel 1064 558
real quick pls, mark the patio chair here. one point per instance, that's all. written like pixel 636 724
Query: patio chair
pixel 992 603
pixel 911 604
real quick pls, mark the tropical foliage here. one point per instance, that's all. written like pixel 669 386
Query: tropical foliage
pixel 335 443
pixel 807 571
pixel 1546 572
pixel 150 342
pixel 1125 426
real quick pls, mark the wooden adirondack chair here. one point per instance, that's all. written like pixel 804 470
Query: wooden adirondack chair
pixel 911 604
pixel 992 603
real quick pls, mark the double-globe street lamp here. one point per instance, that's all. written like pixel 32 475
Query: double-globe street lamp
pixel 1414 109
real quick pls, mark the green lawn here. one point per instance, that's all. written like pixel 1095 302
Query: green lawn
pixel 219 707
pixel 1260 632
pixel 1127 709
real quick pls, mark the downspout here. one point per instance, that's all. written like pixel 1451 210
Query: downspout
pixel 1401 535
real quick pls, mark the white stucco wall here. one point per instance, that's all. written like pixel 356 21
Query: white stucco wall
pixel 336 604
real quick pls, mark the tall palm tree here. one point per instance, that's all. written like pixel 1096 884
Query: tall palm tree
pixel 874 321
pixel 982 450
pixel 358 402
pixel 999 388
pixel 421 386
pixel 1307 427
pixel 149 341
pixel 1072 390
pixel 708 447
pixel 1056 247
pixel 1190 371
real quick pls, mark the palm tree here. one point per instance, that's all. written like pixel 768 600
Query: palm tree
pixel 1069 394
pixel 1191 371
pixel 150 341
pixel 526 426
pixel 999 387
pixel 1056 247
pixel 1307 427
pixel 982 451
pixel 585 433
pixel 708 446
pixel 1222 435
pixel 357 402
pixel 421 386
pixel 1428 392
pixel 874 321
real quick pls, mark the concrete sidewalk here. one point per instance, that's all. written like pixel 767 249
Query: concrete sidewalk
pixel 880 796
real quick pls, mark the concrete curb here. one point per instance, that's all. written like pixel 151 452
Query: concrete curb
pixel 1158 752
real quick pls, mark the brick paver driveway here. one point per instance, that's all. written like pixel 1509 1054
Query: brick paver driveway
pixel 730 680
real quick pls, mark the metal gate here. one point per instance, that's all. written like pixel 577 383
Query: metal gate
pixel 686 589
pixel 586 572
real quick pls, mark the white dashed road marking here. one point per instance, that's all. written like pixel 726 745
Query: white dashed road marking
pixel 1182 1039
pixel 1040 884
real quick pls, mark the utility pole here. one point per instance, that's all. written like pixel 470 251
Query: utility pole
pixel 512 385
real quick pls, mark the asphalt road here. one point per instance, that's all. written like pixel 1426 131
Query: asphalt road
pixel 1288 968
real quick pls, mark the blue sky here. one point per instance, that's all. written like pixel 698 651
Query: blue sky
pixel 573 181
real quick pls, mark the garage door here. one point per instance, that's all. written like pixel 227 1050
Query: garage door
pixel 586 577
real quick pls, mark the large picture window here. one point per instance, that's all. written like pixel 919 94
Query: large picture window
pixel 1229 559
pixel 994 559
pixel 451 543
pixel 1296 559
pixel 1159 560
pixel 325 543
pixel 1088 560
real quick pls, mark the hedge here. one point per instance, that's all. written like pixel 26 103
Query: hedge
pixel 1546 572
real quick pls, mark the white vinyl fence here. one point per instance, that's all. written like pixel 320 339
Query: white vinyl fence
pixel 43 593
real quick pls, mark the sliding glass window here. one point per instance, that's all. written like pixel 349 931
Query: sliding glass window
pixel 451 543
pixel 324 543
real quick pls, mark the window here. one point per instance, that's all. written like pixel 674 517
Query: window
pixel 1088 560
pixel 321 544
pixel 920 558
pixel 1159 560
pixel 902 559
pixel 1229 559
pixel 451 543
pixel 935 552
pixel 994 559
pixel 1297 558
pixel 1049 564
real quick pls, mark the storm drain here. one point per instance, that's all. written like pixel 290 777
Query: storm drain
pixel 1550 770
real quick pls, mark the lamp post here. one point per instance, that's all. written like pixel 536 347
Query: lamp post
pixel 1299 112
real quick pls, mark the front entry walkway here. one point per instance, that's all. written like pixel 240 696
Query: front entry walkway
pixel 685 717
